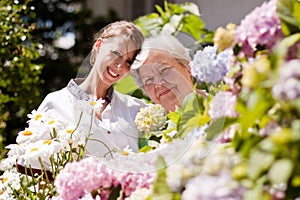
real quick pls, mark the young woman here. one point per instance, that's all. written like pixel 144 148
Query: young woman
pixel 112 125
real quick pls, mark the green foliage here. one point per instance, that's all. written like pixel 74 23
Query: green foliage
pixel 19 82
pixel 175 18
pixel 192 114
pixel 161 190
pixel 288 11
pixel 217 126
pixel 271 159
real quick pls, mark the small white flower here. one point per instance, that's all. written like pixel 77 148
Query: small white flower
pixel 35 116
pixel 32 134
pixel 10 178
pixel 97 105
pixel 126 151
pixel 43 149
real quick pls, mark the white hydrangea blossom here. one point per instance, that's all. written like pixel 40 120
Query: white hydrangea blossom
pixel 151 118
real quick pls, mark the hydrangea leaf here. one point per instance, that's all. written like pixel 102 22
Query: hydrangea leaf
pixel 218 126
pixel 192 114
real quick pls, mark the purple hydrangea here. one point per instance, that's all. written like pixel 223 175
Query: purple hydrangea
pixel 208 66
pixel 223 105
pixel 260 27
pixel 288 84
pixel 213 188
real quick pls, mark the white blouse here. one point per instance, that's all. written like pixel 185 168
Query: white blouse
pixel 117 128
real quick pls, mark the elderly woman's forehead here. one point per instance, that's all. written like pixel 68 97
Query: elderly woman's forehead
pixel 159 56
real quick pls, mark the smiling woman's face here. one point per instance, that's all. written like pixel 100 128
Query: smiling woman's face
pixel 114 59
pixel 165 80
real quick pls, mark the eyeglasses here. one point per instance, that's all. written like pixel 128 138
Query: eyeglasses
pixel 158 76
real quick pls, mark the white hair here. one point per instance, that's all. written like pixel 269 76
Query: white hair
pixel 162 42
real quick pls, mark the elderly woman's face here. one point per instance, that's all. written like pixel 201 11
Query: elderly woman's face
pixel 165 80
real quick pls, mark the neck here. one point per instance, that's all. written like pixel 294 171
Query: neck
pixel 93 86
pixel 101 90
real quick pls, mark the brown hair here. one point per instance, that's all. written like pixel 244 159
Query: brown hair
pixel 126 28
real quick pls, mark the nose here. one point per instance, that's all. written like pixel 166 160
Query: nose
pixel 118 65
pixel 158 79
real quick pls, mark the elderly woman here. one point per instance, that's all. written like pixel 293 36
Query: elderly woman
pixel 162 71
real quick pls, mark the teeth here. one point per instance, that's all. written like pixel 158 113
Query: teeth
pixel 112 73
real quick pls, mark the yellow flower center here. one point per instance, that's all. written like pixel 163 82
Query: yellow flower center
pixel 34 149
pixel 4 179
pixel 27 133
pixel 69 130
pixel 47 142
pixel 52 121
pixel 125 153
pixel 38 116
pixel 92 103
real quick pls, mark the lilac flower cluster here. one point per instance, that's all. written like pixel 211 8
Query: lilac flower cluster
pixel 223 104
pixel 260 27
pixel 208 66
pixel 78 179
pixel 288 84
pixel 213 187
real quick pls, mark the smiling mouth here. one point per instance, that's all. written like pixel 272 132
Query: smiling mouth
pixel 164 92
pixel 112 73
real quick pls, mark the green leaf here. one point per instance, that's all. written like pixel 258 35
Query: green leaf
pixel 115 193
pixel 218 126
pixel 193 25
pixel 174 117
pixel 285 11
pixel 149 23
pixel 281 171
pixel 163 15
pixel 256 106
pixel 280 49
pixel 161 190
pixel 192 114
pixel 191 7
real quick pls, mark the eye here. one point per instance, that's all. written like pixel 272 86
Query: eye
pixel 116 53
pixel 164 70
pixel 148 80
pixel 129 62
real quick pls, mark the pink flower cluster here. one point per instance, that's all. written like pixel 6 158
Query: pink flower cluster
pixel 77 179
pixel 259 28
pixel 131 181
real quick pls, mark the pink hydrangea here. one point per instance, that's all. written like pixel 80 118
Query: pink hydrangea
pixel 130 182
pixel 260 27
pixel 223 105
pixel 78 178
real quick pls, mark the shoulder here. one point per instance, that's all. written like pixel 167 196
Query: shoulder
pixel 54 98
pixel 127 99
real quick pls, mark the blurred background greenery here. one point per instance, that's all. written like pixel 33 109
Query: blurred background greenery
pixel 43 43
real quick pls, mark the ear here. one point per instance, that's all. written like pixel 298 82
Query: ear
pixel 98 43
